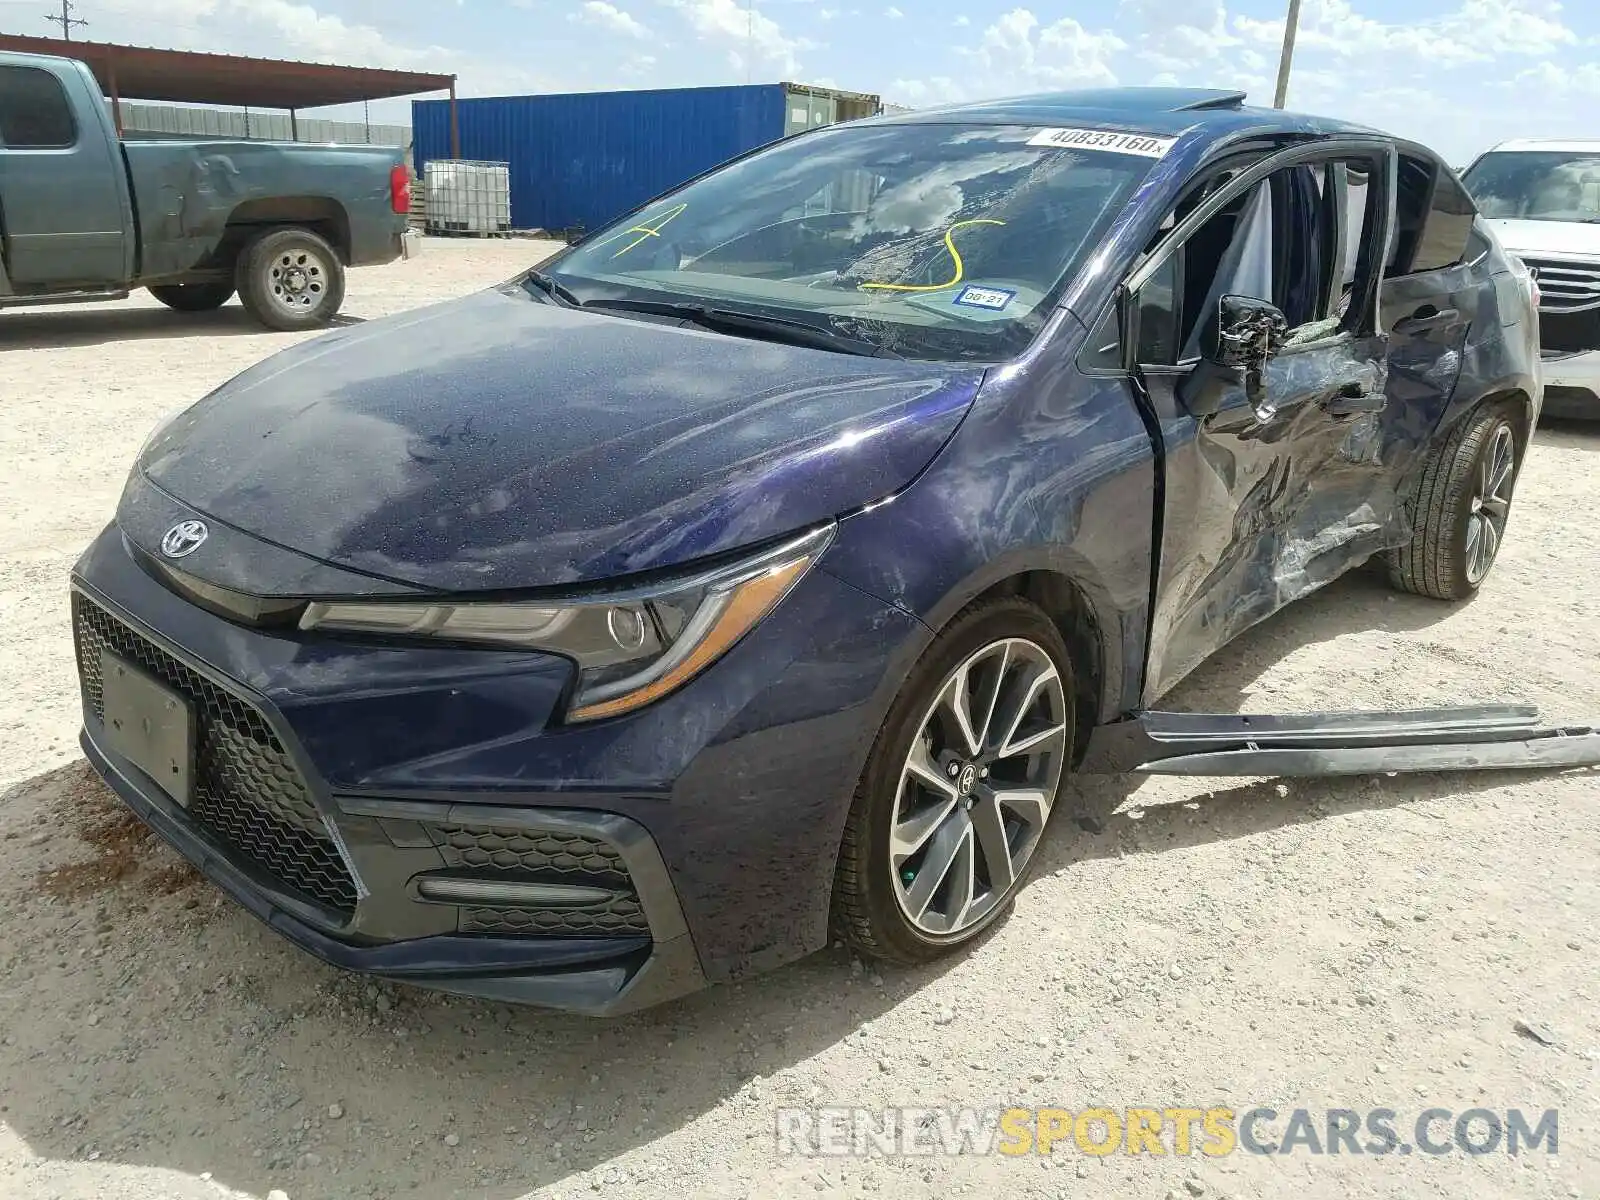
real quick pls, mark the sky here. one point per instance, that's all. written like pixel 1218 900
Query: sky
pixel 1458 75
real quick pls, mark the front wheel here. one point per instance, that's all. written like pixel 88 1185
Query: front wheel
pixel 291 279
pixel 193 297
pixel 958 787
pixel 1463 505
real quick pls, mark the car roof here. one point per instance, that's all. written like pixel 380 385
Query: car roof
pixel 1567 144
pixel 1160 110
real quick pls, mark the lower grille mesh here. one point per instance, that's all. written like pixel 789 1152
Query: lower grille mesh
pixel 618 917
pixel 542 856
pixel 247 790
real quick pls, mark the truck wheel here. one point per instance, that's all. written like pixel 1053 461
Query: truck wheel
pixel 958 787
pixel 193 297
pixel 291 279
pixel 1461 509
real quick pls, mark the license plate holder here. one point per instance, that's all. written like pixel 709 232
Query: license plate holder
pixel 149 724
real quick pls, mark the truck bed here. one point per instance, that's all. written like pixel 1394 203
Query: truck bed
pixel 188 191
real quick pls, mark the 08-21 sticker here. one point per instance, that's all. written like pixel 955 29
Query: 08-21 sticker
pixel 991 298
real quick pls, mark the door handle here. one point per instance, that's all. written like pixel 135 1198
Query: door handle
pixel 1353 400
pixel 1427 318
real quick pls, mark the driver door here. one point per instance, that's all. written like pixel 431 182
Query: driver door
pixel 1273 486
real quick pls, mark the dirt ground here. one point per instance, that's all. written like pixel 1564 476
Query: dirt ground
pixel 1353 943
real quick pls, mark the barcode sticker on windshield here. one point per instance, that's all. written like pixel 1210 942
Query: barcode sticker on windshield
pixel 1143 144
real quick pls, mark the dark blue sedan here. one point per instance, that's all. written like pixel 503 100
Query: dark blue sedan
pixel 766 563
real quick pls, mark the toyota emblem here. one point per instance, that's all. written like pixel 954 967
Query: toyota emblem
pixel 183 538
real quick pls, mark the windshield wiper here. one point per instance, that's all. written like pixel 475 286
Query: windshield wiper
pixel 556 291
pixel 727 320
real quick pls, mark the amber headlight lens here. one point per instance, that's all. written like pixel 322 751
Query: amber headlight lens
pixel 631 647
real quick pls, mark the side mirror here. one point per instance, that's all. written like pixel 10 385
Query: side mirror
pixel 1241 338
pixel 1245 334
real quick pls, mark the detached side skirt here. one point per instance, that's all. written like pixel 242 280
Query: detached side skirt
pixel 1352 743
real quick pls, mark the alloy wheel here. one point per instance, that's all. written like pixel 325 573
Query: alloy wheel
pixel 1491 504
pixel 977 786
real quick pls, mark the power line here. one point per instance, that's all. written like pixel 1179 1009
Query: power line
pixel 66 20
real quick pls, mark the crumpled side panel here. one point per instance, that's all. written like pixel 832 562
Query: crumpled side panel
pixel 1308 487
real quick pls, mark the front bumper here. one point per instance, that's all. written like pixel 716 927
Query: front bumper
pixel 348 892
pixel 594 976
pixel 1572 384
pixel 714 814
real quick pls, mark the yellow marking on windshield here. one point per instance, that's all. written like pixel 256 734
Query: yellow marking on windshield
pixel 645 232
pixel 955 257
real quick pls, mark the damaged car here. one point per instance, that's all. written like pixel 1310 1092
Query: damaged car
pixel 767 562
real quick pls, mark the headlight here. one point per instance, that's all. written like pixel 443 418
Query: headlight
pixel 631 647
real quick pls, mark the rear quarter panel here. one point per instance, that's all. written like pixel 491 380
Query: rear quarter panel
pixel 1499 356
pixel 185 192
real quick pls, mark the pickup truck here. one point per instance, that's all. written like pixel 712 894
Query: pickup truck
pixel 86 215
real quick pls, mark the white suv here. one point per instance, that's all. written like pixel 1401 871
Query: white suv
pixel 1543 199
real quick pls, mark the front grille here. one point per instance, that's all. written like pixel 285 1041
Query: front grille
pixel 543 856
pixel 1570 402
pixel 1565 286
pixel 247 791
pixel 1569 332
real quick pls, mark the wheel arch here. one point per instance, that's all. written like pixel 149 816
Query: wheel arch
pixel 1512 392
pixel 324 216
pixel 1071 611
pixel 1078 607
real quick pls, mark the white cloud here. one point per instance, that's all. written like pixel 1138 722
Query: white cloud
pixel 257 27
pixel 1174 35
pixel 1477 31
pixel 638 66
pixel 924 93
pixel 1548 79
pixel 962 21
pixel 609 17
pixel 1022 54
pixel 749 36
pixel 893 13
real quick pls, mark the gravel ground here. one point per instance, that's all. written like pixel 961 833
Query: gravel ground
pixel 1244 943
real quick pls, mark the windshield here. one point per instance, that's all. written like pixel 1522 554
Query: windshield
pixel 1537 185
pixel 923 240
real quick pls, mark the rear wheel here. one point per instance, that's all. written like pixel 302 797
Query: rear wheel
pixel 193 297
pixel 291 279
pixel 958 787
pixel 1463 505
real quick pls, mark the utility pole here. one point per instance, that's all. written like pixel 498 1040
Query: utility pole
pixel 66 20
pixel 1289 28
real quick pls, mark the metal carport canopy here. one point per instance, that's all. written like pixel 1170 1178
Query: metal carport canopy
pixel 181 76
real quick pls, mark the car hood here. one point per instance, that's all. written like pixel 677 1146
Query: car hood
pixel 501 442
pixel 1548 237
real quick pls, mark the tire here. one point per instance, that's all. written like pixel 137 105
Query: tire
pixel 290 279
pixel 193 297
pixel 876 894
pixel 1461 509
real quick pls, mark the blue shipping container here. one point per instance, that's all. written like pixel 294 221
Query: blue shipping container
pixel 585 158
